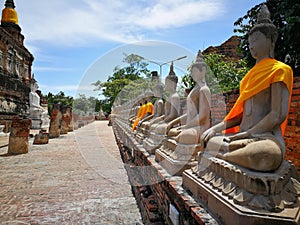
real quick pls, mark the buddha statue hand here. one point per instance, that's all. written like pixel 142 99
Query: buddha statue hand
pixel 238 136
pixel 209 133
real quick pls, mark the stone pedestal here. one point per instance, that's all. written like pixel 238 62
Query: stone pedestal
pixel 19 135
pixel 153 142
pixel 236 195
pixel 39 118
pixel 2 134
pixel 176 157
pixel 41 138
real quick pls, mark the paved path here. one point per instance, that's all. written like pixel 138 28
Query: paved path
pixel 77 178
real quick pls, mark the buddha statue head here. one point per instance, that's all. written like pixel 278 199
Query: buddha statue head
pixel 199 69
pixel 171 80
pixel 263 36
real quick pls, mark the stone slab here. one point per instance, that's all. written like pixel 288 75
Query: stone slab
pixel 4 141
pixel 229 213
pixel 173 167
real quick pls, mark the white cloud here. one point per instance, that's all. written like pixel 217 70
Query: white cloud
pixel 80 22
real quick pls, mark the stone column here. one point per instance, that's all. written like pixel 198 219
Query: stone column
pixel 54 129
pixel 19 135
pixel 65 120
pixel 71 124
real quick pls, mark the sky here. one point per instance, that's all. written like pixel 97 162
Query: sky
pixel 77 42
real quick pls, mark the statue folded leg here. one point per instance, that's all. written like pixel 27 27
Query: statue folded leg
pixel 261 154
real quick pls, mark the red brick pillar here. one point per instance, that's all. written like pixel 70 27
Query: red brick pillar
pixel 19 135
pixel 55 120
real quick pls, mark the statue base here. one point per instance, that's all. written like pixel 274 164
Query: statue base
pixel 176 157
pixel 235 195
pixel 36 124
pixel 153 142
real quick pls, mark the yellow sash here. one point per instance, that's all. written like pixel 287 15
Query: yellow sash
pixel 260 77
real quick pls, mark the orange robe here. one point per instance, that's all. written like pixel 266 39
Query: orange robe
pixel 145 109
pixel 260 77
pixel 141 113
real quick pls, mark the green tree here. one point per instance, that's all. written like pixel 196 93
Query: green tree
pixel 285 16
pixel 120 78
pixel 58 98
pixel 84 106
pixel 222 75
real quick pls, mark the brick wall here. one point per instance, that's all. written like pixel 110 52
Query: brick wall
pixel 221 105
pixel 154 189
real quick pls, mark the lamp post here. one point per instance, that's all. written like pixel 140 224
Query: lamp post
pixel 161 64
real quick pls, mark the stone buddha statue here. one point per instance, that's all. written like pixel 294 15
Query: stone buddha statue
pixel 37 113
pixel 197 117
pixel 34 98
pixel 158 107
pixel 157 129
pixel 183 133
pixel 172 105
pixel 261 110
pixel 244 169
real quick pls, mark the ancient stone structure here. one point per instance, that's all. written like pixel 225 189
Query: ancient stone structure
pixel 15 67
pixel 19 135
pixel 228 49
pixel 41 138
pixel 243 178
pixel 179 150
pixel 65 120
pixel 55 121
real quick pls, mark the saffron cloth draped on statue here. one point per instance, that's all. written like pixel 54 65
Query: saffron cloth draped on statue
pixel 260 77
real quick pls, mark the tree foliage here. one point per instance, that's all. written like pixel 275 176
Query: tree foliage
pixel 121 77
pixel 85 106
pixel 58 98
pixel 285 16
pixel 222 75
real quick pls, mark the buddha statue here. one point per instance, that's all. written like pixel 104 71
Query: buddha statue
pixel 179 149
pixel 197 117
pixel 172 105
pixel 261 109
pixel 243 169
pixel 37 113
pixel 146 122
pixel 157 129
pixel 184 132
pixel 146 109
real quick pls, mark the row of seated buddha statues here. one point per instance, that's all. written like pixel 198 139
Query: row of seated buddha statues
pixel 243 173
pixel 182 135
pixel 154 111
pixel 237 167
pixel 166 112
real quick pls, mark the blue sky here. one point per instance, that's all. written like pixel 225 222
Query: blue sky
pixel 77 42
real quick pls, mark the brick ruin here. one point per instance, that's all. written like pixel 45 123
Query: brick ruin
pixel 15 71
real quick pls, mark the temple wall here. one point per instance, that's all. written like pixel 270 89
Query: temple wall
pixel 221 105
pixel 15 76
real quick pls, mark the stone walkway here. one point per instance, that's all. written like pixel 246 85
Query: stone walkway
pixel 77 178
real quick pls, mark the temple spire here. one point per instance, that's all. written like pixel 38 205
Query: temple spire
pixel 9 14
pixel 9 4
